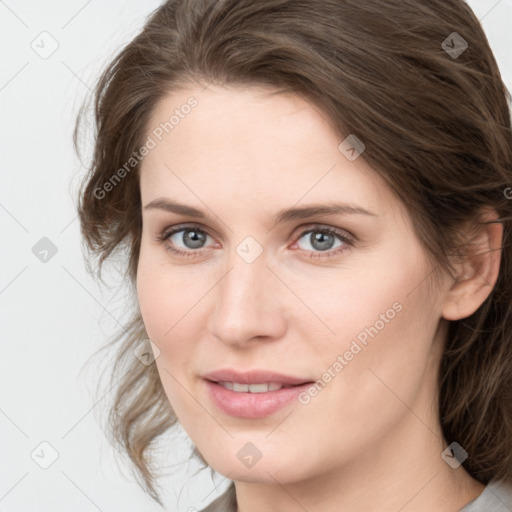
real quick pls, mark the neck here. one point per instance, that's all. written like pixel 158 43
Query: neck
pixel 404 471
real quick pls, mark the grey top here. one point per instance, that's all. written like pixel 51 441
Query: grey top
pixel 496 497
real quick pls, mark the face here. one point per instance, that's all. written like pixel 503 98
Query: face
pixel 289 339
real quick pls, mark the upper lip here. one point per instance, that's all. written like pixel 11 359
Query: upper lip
pixel 253 377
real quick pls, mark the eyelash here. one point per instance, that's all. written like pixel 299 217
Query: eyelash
pixel 346 239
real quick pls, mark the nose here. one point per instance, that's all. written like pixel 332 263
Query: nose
pixel 249 304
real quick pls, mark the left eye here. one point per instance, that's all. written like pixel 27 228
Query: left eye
pixel 322 240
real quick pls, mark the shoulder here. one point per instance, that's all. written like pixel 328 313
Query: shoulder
pixel 497 496
pixel 224 503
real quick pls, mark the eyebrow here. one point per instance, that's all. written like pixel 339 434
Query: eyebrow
pixel 286 215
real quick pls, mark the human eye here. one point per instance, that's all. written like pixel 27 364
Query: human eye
pixel 191 237
pixel 322 241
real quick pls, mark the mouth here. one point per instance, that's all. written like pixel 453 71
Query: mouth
pixel 252 395
pixel 239 387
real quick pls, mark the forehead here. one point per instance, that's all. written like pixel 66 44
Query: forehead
pixel 245 143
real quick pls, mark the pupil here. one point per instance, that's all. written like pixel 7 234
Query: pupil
pixel 193 239
pixel 321 241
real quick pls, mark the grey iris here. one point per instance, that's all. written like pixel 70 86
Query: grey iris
pixel 193 239
pixel 321 241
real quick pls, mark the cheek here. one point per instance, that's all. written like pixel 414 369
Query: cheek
pixel 359 306
pixel 170 304
pixel 169 318
pixel 167 313
pixel 153 302
pixel 364 386
pixel 166 295
pixel 382 328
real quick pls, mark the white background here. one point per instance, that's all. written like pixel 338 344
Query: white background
pixel 53 316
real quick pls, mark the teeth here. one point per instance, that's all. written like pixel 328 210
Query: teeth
pixel 251 388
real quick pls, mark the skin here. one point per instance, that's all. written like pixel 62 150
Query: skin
pixel 371 439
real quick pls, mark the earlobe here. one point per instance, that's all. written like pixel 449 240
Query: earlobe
pixel 478 273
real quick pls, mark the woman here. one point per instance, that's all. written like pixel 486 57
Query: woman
pixel 313 199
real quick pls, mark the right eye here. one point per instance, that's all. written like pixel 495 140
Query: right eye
pixel 192 238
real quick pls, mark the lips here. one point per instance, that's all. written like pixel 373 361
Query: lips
pixel 254 377
pixel 263 387
pixel 253 394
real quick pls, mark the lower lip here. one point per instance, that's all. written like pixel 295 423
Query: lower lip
pixel 253 405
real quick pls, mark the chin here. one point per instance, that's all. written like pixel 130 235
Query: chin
pixel 267 469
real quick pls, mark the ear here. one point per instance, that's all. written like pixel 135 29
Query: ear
pixel 477 273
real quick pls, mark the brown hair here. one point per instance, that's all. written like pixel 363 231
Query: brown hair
pixel 436 127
